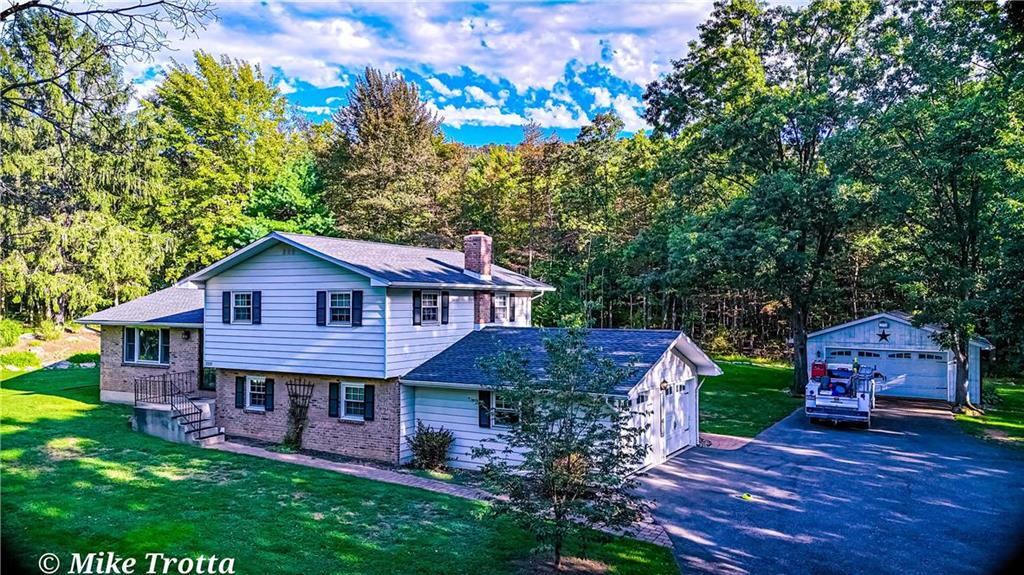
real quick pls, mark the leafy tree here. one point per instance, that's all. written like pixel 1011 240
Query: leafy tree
pixel 574 447
pixel 943 154
pixel 221 129
pixel 759 95
pixel 384 167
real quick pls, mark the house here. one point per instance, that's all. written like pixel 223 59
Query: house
pixel 361 325
pixel 903 352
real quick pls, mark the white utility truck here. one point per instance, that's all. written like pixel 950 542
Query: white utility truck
pixel 840 392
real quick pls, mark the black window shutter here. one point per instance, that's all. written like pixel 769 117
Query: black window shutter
pixel 225 307
pixel 269 402
pixel 368 397
pixel 492 307
pixel 417 307
pixel 257 307
pixel 444 307
pixel 512 307
pixel 321 308
pixel 129 344
pixel 357 308
pixel 240 392
pixel 165 346
pixel 332 399
pixel 485 408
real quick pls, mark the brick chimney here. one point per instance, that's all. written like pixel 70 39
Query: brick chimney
pixel 476 247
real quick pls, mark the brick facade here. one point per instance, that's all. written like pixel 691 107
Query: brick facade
pixel 378 439
pixel 117 378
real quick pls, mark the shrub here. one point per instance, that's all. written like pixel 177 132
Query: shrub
pixel 10 330
pixel 85 358
pixel 20 359
pixel 430 446
pixel 49 331
pixel 720 343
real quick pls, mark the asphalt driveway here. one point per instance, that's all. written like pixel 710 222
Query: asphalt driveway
pixel 912 495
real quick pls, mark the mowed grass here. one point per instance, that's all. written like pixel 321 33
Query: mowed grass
pixel 1003 421
pixel 746 399
pixel 75 478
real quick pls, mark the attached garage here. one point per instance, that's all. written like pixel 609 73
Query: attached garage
pixel 908 356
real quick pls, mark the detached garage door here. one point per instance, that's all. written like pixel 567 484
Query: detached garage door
pixel 921 374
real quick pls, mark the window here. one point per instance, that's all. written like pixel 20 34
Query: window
pixel 867 354
pixel 209 379
pixel 355 402
pixel 505 412
pixel 241 307
pixel 340 308
pixel 150 345
pixel 840 353
pixel 501 313
pixel 934 356
pixel 900 355
pixel 641 398
pixel 255 392
pixel 430 307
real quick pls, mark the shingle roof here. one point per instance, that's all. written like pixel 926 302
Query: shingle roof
pixel 458 363
pixel 904 317
pixel 409 264
pixel 393 264
pixel 174 305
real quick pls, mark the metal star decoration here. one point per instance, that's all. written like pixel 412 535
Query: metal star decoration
pixel 883 335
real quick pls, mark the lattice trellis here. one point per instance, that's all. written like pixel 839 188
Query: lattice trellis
pixel 300 391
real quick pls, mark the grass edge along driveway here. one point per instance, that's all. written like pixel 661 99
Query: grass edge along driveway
pixel 746 399
pixel 1003 421
pixel 77 479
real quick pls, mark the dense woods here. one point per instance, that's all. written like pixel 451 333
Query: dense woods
pixel 807 165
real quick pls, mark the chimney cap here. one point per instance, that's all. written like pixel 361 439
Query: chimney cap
pixel 477 233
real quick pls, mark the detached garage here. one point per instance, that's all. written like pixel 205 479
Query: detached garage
pixel 908 356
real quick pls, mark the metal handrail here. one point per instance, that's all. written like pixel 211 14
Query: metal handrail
pixel 172 389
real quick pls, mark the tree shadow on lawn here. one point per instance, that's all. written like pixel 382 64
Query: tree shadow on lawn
pixel 77 479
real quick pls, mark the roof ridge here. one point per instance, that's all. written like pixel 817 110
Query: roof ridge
pixel 406 246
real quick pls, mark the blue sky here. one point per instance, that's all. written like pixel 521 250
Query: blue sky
pixel 487 68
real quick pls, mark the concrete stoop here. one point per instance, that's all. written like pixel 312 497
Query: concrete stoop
pixel 159 420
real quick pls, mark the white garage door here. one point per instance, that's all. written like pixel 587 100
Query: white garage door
pixel 921 374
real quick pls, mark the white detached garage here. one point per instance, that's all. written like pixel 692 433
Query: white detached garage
pixel 906 355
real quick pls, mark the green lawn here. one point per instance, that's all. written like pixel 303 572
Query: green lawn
pixel 746 399
pixel 76 479
pixel 1003 421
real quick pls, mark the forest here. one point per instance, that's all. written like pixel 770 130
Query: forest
pixel 806 165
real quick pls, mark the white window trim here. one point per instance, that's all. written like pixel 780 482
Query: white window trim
pixel 342 386
pixel 248 388
pixel 423 306
pixel 329 306
pixel 506 308
pixel 494 412
pixel 233 306
pixel 159 343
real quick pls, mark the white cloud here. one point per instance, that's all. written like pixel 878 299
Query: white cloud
pixel 626 108
pixel 321 110
pixel 483 116
pixel 285 88
pixel 442 89
pixel 477 94
pixel 332 99
pixel 554 115
pixel 602 97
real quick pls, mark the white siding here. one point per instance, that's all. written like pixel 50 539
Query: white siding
pixel 902 337
pixel 288 339
pixel 458 411
pixel 410 345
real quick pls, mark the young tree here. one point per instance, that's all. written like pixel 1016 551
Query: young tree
pixel 574 445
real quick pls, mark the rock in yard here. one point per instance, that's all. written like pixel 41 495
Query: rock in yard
pixel 12 368
pixel 61 365
pixel 37 350
pixel 88 364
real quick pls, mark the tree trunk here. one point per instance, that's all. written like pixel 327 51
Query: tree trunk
pixel 798 331
pixel 962 398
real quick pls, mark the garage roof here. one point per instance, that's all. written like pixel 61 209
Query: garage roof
pixel 641 348
pixel 901 317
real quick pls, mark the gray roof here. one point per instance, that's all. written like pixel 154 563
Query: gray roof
pixel 389 264
pixel 643 348
pixel 172 306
